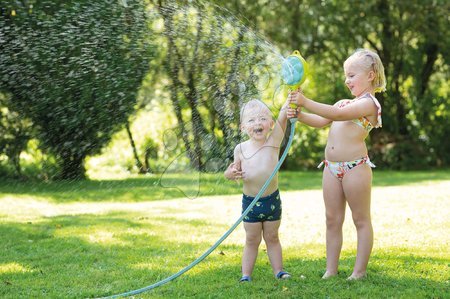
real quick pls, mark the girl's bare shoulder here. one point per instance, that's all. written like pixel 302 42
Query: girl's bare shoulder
pixel 343 102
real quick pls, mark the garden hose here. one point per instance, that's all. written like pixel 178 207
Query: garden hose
pixel 232 228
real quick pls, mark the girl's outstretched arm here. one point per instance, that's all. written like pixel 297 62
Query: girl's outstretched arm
pixel 363 107
pixel 313 120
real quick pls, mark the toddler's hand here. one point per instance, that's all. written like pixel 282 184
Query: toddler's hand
pixel 234 172
pixel 293 112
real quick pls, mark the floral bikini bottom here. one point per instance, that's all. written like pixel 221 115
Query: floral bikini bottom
pixel 339 169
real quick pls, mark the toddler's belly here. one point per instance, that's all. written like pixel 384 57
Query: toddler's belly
pixel 253 184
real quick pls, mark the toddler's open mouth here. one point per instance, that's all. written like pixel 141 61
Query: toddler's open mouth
pixel 258 130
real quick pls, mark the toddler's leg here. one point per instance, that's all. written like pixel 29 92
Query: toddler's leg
pixel 334 199
pixel 357 186
pixel 252 240
pixel 270 233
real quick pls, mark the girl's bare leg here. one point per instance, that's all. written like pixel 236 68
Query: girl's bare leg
pixel 357 188
pixel 334 199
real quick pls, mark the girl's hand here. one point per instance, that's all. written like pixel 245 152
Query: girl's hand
pixel 297 97
pixel 234 172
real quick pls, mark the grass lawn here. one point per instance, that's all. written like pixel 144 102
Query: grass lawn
pixel 103 237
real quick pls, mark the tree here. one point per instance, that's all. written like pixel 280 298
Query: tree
pixel 413 46
pixel 74 68
pixel 212 68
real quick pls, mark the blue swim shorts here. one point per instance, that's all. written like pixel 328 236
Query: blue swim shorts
pixel 267 208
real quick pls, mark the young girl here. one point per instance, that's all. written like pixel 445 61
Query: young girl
pixel 347 176
pixel 254 162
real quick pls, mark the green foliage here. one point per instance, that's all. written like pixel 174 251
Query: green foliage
pixel 38 164
pixel 153 122
pixel 209 72
pixel 212 65
pixel 15 132
pixel 414 49
pixel 74 69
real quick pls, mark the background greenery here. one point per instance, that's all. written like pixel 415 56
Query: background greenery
pixel 155 86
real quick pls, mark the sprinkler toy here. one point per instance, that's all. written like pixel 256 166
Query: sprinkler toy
pixel 293 73
pixel 294 70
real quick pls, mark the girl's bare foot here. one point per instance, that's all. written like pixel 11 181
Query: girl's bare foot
pixel 329 275
pixel 357 276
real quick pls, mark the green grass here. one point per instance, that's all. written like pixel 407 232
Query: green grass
pixel 168 186
pixel 96 238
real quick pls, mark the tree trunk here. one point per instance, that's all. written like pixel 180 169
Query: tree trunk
pixel 174 62
pixel 198 128
pixel 222 101
pixel 73 167
pixel 16 162
pixel 141 168
pixel 431 51
pixel 147 159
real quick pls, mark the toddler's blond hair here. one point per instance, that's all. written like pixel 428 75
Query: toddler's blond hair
pixel 252 104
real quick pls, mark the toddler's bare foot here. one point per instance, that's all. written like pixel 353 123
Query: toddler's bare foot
pixel 329 275
pixel 357 276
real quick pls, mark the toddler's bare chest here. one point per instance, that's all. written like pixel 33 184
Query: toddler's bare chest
pixel 259 160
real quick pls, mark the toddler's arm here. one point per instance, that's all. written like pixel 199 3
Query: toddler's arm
pixel 280 124
pixel 234 170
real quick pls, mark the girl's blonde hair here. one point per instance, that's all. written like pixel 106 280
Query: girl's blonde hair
pixel 372 62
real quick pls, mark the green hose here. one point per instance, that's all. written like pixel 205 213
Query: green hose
pixel 232 228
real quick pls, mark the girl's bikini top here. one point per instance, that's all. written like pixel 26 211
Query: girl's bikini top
pixel 363 121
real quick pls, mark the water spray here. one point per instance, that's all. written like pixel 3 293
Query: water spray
pixel 293 72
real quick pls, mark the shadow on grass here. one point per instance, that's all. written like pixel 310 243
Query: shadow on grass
pixel 68 256
pixel 125 190
pixel 59 259
pixel 187 186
